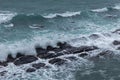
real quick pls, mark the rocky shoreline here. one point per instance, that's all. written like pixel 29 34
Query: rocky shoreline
pixel 52 54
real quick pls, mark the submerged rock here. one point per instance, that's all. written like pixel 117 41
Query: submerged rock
pixel 84 48
pixel 106 53
pixel 30 70
pixel 118 48
pixel 72 58
pixel 3 63
pixel 116 31
pixel 94 36
pixel 63 45
pixel 25 60
pixel 83 54
pixel 50 54
pixel 57 61
pixel 38 65
pixel 3 73
pixel 116 42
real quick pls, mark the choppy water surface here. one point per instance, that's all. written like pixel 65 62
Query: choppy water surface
pixel 26 23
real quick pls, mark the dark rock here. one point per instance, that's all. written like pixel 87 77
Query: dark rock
pixel 118 48
pixel 10 58
pixel 25 60
pixel 83 54
pixel 94 36
pixel 4 63
pixel 63 45
pixel 19 55
pixel 50 48
pixel 3 73
pixel 106 52
pixel 50 54
pixel 72 58
pixel 40 50
pixel 116 31
pixel 38 65
pixel 84 48
pixel 57 61
pixel 30 70
pixel 116 42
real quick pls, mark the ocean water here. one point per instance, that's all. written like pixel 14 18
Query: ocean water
pixel 27 23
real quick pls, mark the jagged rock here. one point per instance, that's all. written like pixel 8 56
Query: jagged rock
pixel 50 54
pixel 118 48
pixel 38 65
pixel 3 73
pixel 40 50
pixel 10 58
pixel 107 53
pixel 116 42
pixel 63 45
pixel 19 55
pixel 25 60
pixel 55 49
pixel 116 31
pixel 30 70
pixel 94 36
pixel 83 54
pixel 57 61
pixel 83 49
pixel 72 58
pixel 3 63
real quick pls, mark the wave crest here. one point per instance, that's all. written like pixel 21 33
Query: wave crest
pixel 66 14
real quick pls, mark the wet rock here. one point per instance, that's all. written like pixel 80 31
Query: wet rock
pixel 55 49
pixel 118 48
pixel 116 31
pixel 40 50
pixel 116 42
pixel 19 55
pixel 106 53
pixel 3 63
pixel 50 54
pixel 29 70
pixel 3 73
pixel 84 48
pixel 38 65
pixel 63 45
pixel 57 61
pixel 10 58
pixel 83 54
pixel 25 60
pixel 94 36
pixel 72 58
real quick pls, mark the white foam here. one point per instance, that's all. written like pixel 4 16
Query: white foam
pixel 100 10
pixel 9 25
pixel 66 14
pixel 5 16
pixel 117 6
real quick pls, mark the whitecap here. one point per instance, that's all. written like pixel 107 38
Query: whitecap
pixel 5 16
pixel 100 10
pixel 66 14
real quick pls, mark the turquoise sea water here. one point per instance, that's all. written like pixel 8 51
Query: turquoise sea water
pixel 24 22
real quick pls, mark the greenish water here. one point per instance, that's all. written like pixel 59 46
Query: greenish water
pixel 25 23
